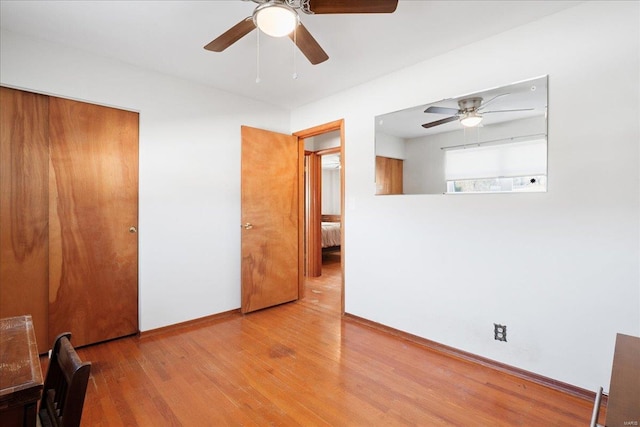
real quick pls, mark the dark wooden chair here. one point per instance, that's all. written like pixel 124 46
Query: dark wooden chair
pixel 65 386
pixel 596 410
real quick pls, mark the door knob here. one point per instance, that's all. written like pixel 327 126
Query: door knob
pixel 133 229
pixel 247 226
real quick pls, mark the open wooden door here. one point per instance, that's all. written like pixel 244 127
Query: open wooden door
pixel 271 193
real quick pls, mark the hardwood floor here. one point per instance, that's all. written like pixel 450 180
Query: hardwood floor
pixel 303 364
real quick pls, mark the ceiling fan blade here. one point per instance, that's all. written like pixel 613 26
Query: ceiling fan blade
pixel 232 35
pixel 441 110
pixel 508 111
pixel 352 6
pixel 484 104
pixel 440 122
pixel 308 45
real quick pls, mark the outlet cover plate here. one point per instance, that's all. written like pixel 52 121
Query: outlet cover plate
pixel 499 332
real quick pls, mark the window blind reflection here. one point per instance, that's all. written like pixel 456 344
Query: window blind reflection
pixel 504 160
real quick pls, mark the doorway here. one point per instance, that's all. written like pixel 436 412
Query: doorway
pixel 324 203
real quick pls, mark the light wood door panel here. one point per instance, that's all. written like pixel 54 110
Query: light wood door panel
pixel 24 164
pixel 271 192
pixel 93 187
pixel 389 176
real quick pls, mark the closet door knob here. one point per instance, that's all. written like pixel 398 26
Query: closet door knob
pixel 133 230
pixel 247 226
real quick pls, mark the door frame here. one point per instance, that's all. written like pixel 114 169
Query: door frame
pixel 313 210
pixel 337 125
pixel 312 214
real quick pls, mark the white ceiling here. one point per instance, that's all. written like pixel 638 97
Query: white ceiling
pixel 168 36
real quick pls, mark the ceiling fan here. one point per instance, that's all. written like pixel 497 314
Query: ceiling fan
pixel 469 112
pixel 279 18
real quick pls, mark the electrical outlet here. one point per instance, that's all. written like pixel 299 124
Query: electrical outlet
pixel 500 332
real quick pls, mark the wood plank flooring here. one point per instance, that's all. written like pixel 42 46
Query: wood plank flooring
pixel 302 364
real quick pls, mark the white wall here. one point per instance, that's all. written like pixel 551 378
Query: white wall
pixel 189 238
pixel 330 201
pixel 560 269
pixel 325 141
pixel 390 146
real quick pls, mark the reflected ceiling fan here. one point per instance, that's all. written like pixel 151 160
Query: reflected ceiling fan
pixel 279 18
pixel 469 113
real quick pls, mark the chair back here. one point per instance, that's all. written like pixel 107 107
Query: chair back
pixel 596 409
pixel 65 386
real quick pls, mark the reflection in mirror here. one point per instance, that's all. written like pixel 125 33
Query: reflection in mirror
pixel 486 142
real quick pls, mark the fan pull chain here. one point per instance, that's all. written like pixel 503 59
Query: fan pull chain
pixel 258 56
pixel 470 133
pixel 295 45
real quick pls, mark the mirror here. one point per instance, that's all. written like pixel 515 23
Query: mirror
pixel 493 141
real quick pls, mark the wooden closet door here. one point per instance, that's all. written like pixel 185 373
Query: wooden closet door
pixel 24 164
pixel 93 204
pixel 389 175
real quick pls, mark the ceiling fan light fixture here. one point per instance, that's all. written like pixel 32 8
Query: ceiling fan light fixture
pixel 275 19
pixel 470 119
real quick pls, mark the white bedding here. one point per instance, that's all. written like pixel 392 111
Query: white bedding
pixel 330 234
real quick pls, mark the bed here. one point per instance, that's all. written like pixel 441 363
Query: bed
pixel 331 236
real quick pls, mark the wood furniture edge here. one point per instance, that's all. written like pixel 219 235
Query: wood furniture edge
pixel 623 406
pixel 189 323
pixel 483 361
pixel 331 218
